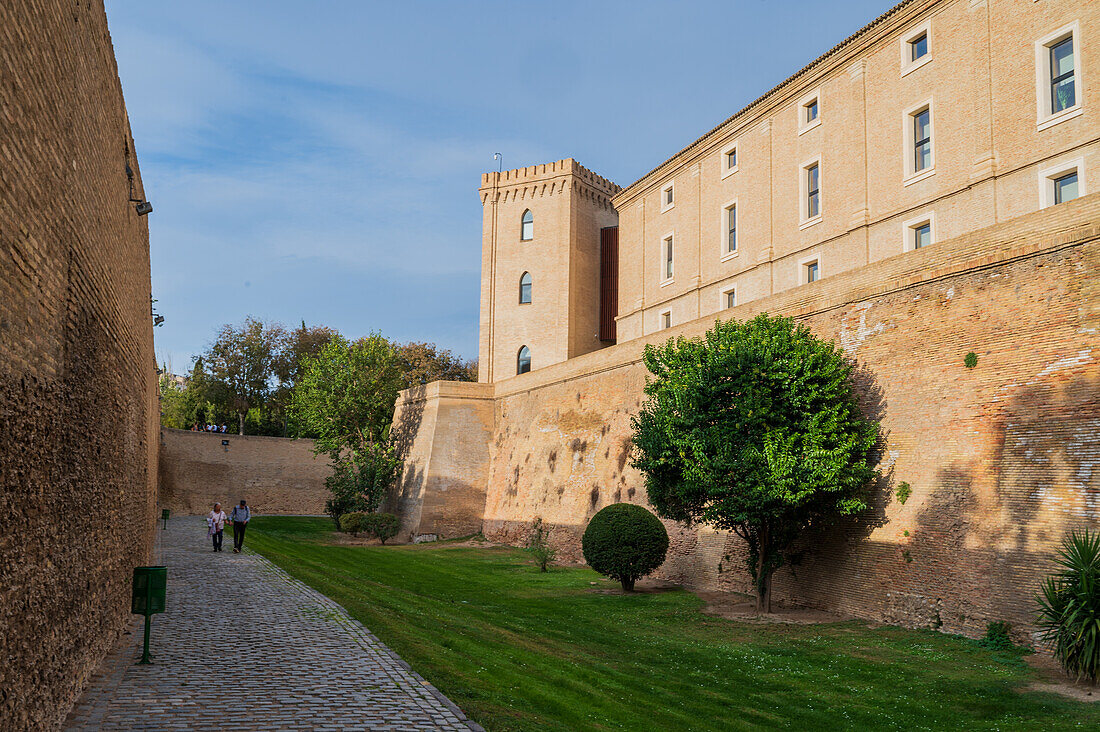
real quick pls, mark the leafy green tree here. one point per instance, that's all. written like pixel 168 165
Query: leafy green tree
pixel 299 345
pixel 241 364
pixel 423 363
pixel 754 429
pixel 346 393
pixel 345 397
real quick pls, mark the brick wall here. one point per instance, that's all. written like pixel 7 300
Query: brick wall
pixel 77 381
pixel 274 474
pixel 1001 458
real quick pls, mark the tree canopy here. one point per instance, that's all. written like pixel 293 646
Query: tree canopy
pixel 753 428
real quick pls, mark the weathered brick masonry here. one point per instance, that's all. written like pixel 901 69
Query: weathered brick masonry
pixel 1003 458
pixel 274 474
pixel 77 381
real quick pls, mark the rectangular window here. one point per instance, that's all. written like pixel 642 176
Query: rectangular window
pixel 922 140
pixel 731 229
pixel 922 235
pixel 1062 88
pixel 1065 188
pixel 813 272
pixel 666 246
pixel 1062 182
pixel 667 197
pixel 813 191
pixel 918 47
pixel 811 111
pixel 729 298
pixel 666 319
pixel 728 159
pixel 1058 77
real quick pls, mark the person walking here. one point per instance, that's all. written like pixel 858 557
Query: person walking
pixel 216 521
pixel 241 516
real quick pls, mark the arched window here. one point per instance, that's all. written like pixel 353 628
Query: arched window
pixel 523 360
pixel 525 288
pixel 527 226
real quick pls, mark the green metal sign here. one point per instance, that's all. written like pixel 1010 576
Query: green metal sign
pixel 150 586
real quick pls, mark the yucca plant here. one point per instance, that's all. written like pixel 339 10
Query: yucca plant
pixel 1069 615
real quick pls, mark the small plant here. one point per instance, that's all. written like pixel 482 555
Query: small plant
pixel 970 360
pixel 624 541
pixel 905 533
pixel 1069 606
pixel 908 557
pixel 903 492
pixel 997 636
pixel 381 525
pixel 352 523
pixel 538 545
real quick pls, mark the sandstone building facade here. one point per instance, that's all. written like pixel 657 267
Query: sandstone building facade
pixel 78 403
pixel 921 191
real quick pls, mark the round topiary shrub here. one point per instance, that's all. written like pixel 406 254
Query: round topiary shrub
pixel 352 523
pixel 624 541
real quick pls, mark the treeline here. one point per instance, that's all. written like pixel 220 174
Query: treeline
pixel 249 376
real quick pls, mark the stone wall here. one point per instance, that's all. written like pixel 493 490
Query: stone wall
pixel 1002 458
pixel 77 372
pixel 275 475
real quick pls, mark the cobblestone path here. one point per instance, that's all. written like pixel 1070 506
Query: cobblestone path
pixel 244 646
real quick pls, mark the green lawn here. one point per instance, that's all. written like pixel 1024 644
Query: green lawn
pixel 517 649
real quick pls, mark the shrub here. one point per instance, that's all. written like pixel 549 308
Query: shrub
pixel 538 545
pixel 381 525
pixel 970 360
pixel 352 523
pixel 997 636
pixel 903 492
pixel 624 541
pixel 1069 614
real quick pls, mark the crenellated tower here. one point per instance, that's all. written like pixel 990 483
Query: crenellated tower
pixel 541 266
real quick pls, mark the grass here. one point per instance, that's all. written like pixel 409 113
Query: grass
pixel 518 649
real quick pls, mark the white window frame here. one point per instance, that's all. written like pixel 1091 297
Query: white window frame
pixel 670 188
pixel 908 65
pixel 1050 173
pixel 728 170
pixel 804 220
pixel 803 270
pixel 723 296
pixel 805 125
pixel 724 254
pixel 909 230
pixel 668 241
pixel 1044 118
pixel 664 319
pixel 910 174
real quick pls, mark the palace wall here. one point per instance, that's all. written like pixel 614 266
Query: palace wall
pixel 1002 458
pixel 275 475
pixel 78 403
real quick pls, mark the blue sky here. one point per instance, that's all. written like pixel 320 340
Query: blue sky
pixel 320 160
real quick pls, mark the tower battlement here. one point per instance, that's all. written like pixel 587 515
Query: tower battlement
pixel 545 173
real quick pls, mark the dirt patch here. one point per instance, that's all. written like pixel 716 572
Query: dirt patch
pixel 735 606
pixel 644 586
pixel 1056 681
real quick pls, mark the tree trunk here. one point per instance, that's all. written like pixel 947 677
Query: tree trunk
pixel 240 418
pixel 763 574
pixel 628 584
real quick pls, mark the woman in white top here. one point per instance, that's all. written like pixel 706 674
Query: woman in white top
pixel 215 520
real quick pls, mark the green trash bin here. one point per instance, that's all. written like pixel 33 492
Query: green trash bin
pixel 148 597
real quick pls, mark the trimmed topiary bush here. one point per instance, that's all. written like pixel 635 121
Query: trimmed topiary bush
pixel 381 525
pixel 1069 606
pixel 352 522
pixel 624 541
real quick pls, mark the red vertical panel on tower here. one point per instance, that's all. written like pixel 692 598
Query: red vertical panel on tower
pixel 609 282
